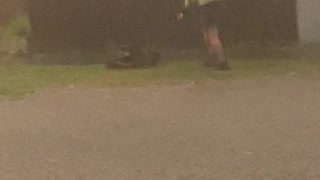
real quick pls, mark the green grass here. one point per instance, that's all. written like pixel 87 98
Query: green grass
pixel 18 80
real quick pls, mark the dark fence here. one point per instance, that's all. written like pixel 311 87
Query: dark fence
pixel 262 20
pixel 91 24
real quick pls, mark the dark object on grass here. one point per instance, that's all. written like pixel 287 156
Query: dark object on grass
pixel 134 57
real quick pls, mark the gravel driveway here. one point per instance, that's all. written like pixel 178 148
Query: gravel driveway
pixel 266 129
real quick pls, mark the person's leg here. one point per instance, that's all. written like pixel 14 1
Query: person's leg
pixel 214 48
pixel 211 20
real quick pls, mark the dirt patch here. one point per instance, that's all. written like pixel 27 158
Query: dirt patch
pixel 254 129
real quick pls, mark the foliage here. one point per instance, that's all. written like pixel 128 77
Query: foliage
pixel 18 27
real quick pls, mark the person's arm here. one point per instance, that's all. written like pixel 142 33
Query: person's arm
pixel 188 5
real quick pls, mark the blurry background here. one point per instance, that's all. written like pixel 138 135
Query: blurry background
pixel 45 26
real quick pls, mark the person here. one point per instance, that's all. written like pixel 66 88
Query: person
pixel 210 13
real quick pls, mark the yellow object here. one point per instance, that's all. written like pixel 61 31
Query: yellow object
pixel 180 16
pixel 199 2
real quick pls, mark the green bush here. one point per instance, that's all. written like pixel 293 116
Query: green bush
pixel 18 27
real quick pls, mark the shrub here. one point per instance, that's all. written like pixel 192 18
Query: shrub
pixel 18 27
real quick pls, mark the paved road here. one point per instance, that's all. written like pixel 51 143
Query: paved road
pixel 227 130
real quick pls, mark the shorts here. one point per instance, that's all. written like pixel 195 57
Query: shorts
pixel 211 15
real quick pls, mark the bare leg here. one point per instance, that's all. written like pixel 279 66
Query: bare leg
pixel 214 47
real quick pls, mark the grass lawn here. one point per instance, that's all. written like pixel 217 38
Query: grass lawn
pixel 18 80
